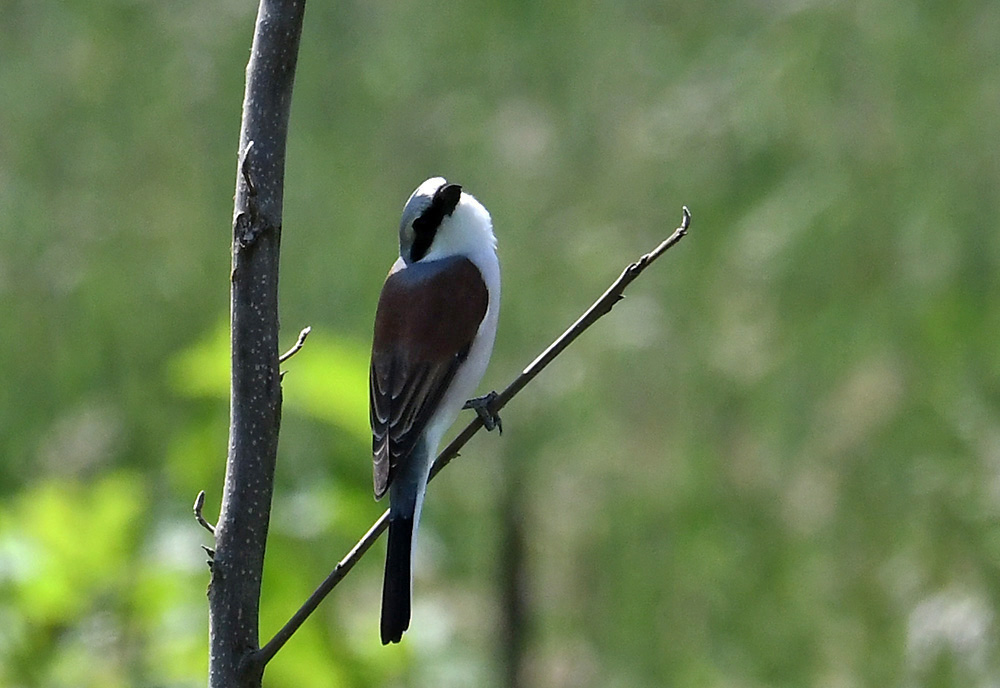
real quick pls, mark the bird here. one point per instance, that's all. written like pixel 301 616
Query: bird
pixel 435 325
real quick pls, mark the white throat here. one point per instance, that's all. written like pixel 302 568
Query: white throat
pixel 468 231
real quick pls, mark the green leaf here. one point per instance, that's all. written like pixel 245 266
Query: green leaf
pixel 326 380
pixel 68 542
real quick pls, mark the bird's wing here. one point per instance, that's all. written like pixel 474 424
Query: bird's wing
pixel 427 317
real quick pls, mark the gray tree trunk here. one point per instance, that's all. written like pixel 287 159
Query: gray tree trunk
pixel 255 404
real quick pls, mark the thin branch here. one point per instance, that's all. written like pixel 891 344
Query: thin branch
pixel 199 503
pixel 264 655
pixel 601 307
pixel 297 346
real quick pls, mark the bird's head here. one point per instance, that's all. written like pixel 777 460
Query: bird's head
pixel 441 220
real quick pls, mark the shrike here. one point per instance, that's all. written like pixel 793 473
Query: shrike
pixel 434 330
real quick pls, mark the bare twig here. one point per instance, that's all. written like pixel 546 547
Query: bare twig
pixel 245 170
pixel 199 503
pixel 295 347
pixel 601 307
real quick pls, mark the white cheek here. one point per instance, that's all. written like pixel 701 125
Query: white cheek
pixel 467 232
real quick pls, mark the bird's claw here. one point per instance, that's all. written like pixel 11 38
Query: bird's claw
pixel 483 406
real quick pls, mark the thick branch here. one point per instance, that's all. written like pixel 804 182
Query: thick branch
pixel 601 307
pixel 255 402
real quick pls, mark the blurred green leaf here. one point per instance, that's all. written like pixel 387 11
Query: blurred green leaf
pixel 327 379
pixel 67 543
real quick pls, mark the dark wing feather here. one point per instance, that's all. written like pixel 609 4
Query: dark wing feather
pixel 428 315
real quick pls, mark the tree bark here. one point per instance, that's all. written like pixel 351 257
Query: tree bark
pixel 255 402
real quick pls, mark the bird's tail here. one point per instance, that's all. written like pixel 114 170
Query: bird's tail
pixel 396 587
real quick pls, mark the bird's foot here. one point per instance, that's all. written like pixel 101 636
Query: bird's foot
pixel 483 406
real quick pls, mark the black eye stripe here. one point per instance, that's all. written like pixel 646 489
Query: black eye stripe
pixel 442 205
pixel 421 244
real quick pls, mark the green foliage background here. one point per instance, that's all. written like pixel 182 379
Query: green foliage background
pixel 777 463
